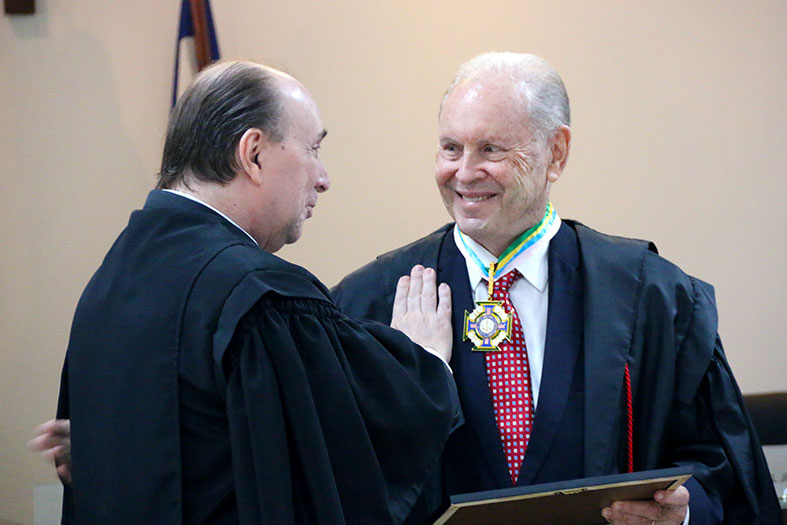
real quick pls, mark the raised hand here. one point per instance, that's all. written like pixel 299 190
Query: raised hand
pixel 422 310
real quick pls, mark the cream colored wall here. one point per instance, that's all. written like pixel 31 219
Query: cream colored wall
pixel 679 133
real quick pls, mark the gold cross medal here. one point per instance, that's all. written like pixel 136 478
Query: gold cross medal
pixel 488 324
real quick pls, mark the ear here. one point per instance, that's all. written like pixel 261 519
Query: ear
pixel 560 146
pixel 249 153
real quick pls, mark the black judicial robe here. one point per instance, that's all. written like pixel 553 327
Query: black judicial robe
pixel 209 381
pixel 631 307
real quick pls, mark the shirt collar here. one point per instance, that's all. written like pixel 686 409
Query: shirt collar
pixel 195 199
pixel 532 263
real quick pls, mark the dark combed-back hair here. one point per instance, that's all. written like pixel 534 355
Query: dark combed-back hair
pixel 212 115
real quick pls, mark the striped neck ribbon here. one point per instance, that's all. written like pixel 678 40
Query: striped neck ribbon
pixel 519 246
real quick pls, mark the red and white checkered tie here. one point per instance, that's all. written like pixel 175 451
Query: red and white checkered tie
pixel 508 375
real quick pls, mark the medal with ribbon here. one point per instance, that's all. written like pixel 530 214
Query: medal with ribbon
pixel 489 324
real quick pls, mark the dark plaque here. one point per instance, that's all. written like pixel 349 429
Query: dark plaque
pixel 575 502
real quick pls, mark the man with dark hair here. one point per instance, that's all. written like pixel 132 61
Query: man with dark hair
pixel 208 381
pixel 207 124
pixel 584 354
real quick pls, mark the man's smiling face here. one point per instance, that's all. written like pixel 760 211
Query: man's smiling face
pixel 491 165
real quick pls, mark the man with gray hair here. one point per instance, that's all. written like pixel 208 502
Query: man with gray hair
pixel 576 354
pixel 207 380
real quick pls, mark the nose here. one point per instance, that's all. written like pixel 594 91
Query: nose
pixel 323 182
pixel 468 169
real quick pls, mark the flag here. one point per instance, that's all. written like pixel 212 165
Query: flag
pixel 197 45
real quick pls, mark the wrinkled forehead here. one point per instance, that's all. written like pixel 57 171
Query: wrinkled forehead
pixel 479 108
pixel 495 92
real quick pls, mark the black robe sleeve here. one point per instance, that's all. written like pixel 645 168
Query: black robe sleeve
pixel 714 434
pixel 692 411
pixel 331 420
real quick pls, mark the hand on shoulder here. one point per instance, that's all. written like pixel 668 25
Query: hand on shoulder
pixel 422 310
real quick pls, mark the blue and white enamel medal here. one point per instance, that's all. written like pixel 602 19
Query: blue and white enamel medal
pixel 488 324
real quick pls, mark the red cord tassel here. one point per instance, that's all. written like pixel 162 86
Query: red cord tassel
pixel 629 422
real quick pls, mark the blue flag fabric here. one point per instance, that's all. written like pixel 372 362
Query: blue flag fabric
pixel 185 54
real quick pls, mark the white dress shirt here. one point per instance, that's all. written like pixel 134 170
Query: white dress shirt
pixel 529 295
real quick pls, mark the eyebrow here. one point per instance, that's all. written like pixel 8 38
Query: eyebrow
pixel 322 135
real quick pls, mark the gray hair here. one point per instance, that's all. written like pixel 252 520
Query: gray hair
pixel 547 100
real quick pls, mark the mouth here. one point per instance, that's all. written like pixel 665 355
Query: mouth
pixel 474 196
pixel 310 210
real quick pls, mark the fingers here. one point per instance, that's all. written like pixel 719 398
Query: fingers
pixel 53 442
pixel 429 293
pixel 628 512
pixel 415 293
pixel 673 498
pixel 50 434
pixel 46 426
pixel 444 304
pixel 57 427
pixel 418 293
pixel 64 473
pixel 416 288
pixel 39 443
pixel 49 449
pixel 400 300
pixel 665 507
pixel 63 426
pixel 422 310
pixel 45 429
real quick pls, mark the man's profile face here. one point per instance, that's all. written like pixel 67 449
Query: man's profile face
pixel 295 174
pixel 491 167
